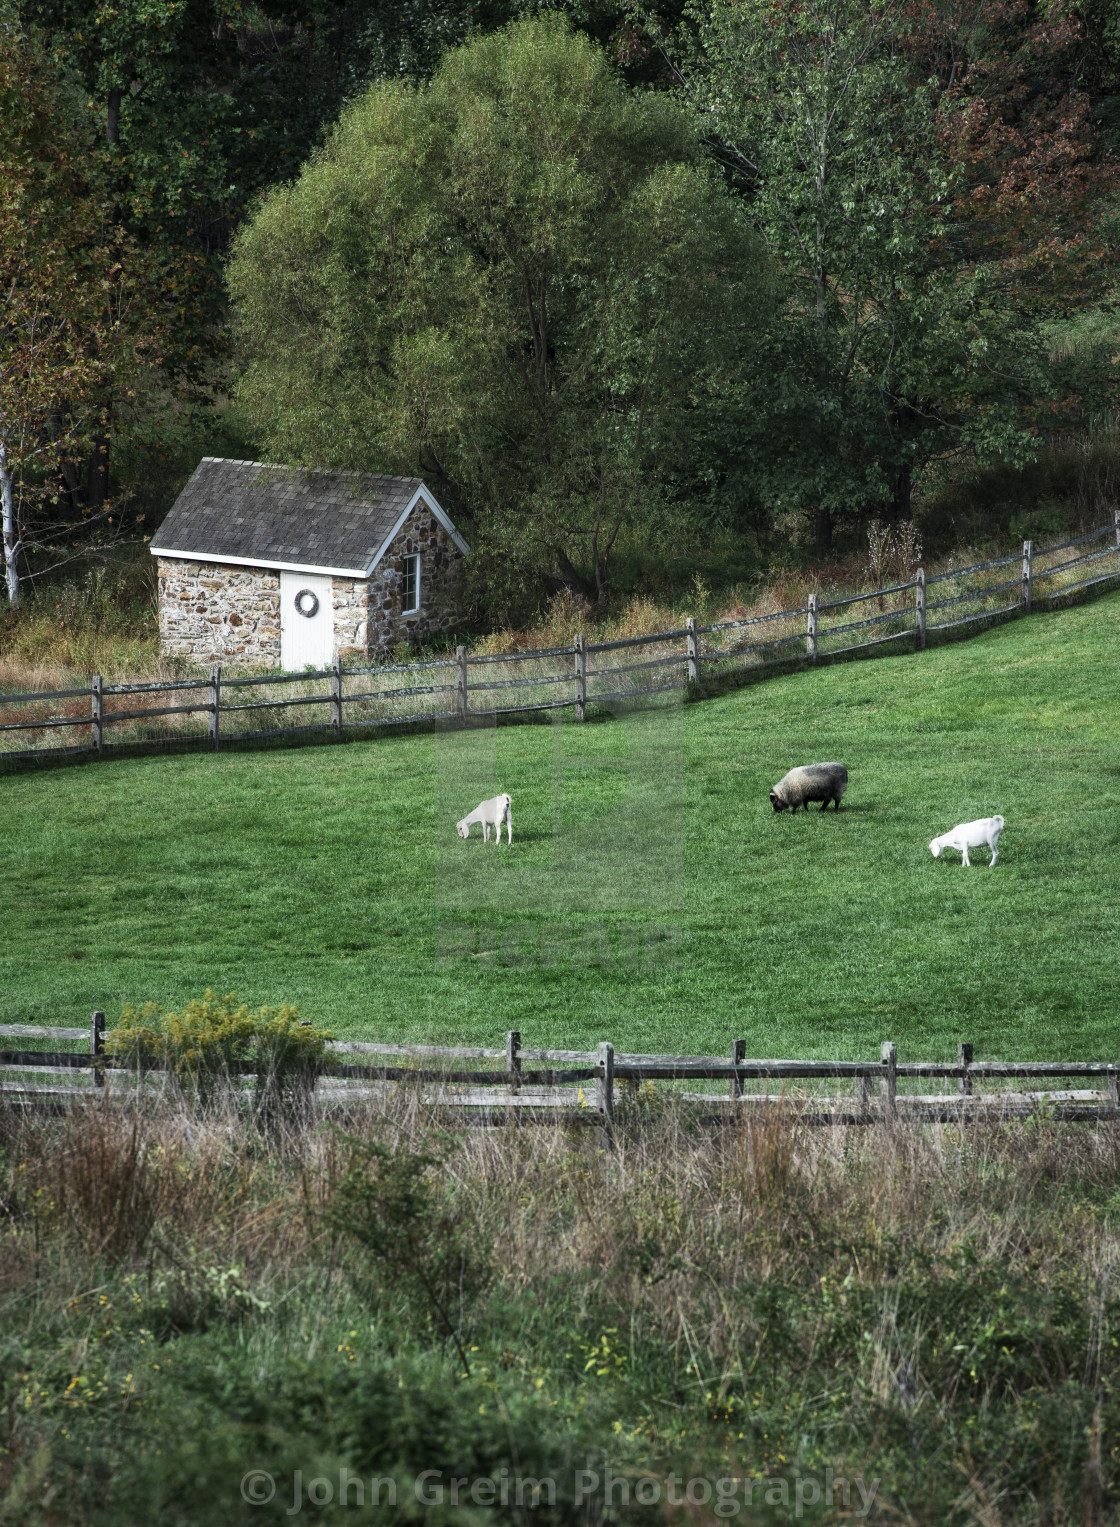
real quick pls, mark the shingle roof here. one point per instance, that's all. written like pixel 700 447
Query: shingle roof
pixel 244 511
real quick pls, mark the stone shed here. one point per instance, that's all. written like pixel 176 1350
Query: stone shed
pixel 289 567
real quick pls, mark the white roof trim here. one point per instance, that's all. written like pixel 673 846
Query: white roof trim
pixel 220 559
pixel 425 493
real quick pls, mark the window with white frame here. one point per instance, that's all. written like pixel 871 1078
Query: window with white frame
pixel 410 586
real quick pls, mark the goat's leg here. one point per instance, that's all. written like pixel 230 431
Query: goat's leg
pixel 995 854
pixel 509 827
pixel 965 861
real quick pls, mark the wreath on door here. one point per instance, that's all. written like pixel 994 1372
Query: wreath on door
pixel 307 603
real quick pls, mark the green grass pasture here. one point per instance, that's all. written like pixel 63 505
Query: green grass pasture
pixel 651 896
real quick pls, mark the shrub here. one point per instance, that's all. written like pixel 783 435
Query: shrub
pixel 214 1039
pixel 193 1296
pixel 411 1235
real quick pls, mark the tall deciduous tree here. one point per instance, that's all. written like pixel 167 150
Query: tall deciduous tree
pixel 891 349
pixel 72 299
pixel 515 282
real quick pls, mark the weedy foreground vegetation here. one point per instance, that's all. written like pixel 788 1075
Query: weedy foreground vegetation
pixel 185 1298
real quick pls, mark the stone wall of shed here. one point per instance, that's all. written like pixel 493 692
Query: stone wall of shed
pixel 351 619
pixel 441 570
pixel 214 613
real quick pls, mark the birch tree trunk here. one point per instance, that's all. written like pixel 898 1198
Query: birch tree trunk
pixel 11 541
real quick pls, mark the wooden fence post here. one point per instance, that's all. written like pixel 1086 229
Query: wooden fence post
pixel 336 697
pixel 581 676
pixel 692 647
pixel 604 1093
pixel 1028 558
pixel 461 683
pixel 1114 1088
pixel 920 608
pixel 863 1093
pixel 964 1058
pixel 215 702
pixel 97 714
pixel 738 1054
pixel 513 1059
pixel 888 1086
pixel 1116 526
pixel 811 628
pixel 97 1045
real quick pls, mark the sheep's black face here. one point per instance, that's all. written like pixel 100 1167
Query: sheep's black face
pixel 776 801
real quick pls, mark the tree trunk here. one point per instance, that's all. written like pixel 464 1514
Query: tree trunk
pixel 97 490
pixel 71 485
pixel 823 525
pixel 70 482
pixel 113 116
pixel 900 502
pixel 568 578
pixel 11 542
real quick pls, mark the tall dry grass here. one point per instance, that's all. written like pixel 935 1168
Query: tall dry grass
pixel 769 1197
pixel 101 619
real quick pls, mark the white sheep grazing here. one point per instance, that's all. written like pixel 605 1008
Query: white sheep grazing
pixel 491 814
pixel 970 835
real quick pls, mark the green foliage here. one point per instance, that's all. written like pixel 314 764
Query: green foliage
pixel 79 321
pixel 190 1296
pixel 414 1239
pixel 1073 481
pixel 518 283
pixel 891 349
pixel 214 1038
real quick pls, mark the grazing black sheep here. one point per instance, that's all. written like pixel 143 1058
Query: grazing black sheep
pixel 822 782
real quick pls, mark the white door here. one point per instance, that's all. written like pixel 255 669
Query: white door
pixel 306 621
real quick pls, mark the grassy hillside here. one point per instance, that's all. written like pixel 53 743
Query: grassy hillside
pixel 332 877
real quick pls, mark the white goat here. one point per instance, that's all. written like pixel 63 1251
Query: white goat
pixel 491 814
pixel 970 835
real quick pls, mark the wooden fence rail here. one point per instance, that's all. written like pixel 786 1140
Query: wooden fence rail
pixel 551 1085
pixel 220 707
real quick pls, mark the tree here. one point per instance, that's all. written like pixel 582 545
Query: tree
pixel 517 283
pixel 893 349
pixel 71 297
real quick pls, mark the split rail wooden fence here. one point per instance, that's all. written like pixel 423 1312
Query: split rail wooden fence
pixel 234 708
pixel 589 1086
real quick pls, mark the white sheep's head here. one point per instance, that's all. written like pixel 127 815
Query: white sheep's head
pixel 463 828
pixel 935 847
